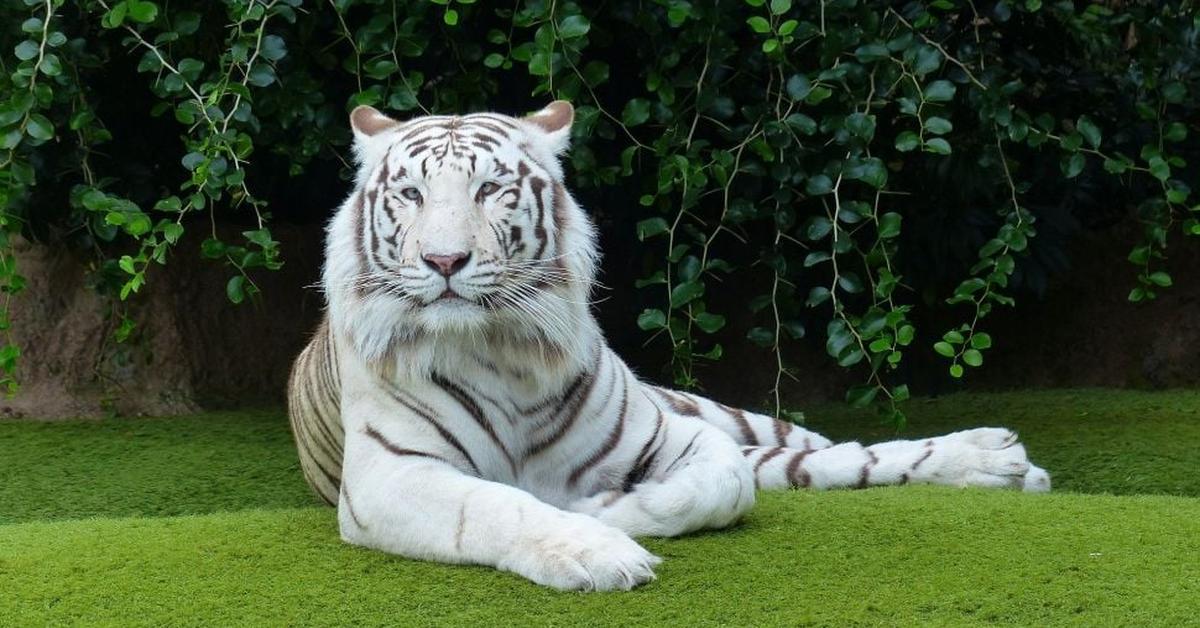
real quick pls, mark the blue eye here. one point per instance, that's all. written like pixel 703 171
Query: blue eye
pixel 412 194
pixel 489 188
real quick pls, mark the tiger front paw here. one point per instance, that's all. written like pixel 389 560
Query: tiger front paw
pixel 578 553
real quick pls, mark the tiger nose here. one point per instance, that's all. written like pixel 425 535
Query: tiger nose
pixel 447 264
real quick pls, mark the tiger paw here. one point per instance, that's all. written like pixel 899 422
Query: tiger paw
pixel 578 553
pixel 988 456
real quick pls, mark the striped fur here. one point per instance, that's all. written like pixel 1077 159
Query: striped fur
pixel 459 402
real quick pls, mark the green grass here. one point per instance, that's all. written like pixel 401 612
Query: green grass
pixel 205 520
pixel 148 467
pixel 886 556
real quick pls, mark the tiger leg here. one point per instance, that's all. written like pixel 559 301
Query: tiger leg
pixel 746 428
pixel 988 457
pixel 408 491
pixel 696 479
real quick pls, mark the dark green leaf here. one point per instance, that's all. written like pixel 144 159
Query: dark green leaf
pixel 761 336
pixel 651 227
pixel 142 11
pixel 273 48
pixel 1176 132
pixel 817 296
pixel 938 126
pixel 907 141
pixel 802 123
pixel 861 396
pixel 172 231
pixel 939 91
pixel 779 7
pixel 818 185
pixel 650 320
pixel 1088 130
pixel 573 26
pixel 816 257
pixel 39 127
pixel 709 322
pixel 759 24
pixel 938 145
pixel 850 282
pixel 889 225
pixel 234 289
pixel 818 228
pixel 636 112
pixel 861 125
pixel 871 52
pixel 972 357
pixel 1161 279
pixel 685 293
pixel 26 50
pixel 798 87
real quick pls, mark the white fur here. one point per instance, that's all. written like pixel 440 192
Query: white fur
pixel 560 516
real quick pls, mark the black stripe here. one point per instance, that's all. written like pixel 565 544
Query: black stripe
pixel 614 437
pixel 508 412
pixel 393 449
pixel 644 460
pixel 537 186
pixel 473 409
pixel 771 453
pixel 475 117
pixel 793 468
pixel 427 125
pixel 304 443
pixel 560 399
pixel 318 435
pixel 581 392
pixel 686 451
pixel 428 416
pixel 350 507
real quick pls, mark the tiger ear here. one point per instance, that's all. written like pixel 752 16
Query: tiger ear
pixel 367 123
pixel 555 122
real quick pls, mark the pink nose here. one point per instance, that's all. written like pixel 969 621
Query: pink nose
pixel 447 264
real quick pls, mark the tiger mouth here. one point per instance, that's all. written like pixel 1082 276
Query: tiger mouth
pixel 449 295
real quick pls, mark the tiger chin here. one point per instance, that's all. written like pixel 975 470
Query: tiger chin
pixel 459 402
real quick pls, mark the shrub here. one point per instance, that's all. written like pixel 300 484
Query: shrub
pixel 846 155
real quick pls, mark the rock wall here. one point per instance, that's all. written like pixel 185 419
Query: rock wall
pixel 192 348
pixel 196 350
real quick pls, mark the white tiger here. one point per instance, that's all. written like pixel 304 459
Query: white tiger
pixel 459 402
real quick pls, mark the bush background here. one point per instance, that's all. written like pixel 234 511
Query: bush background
pixel 951 156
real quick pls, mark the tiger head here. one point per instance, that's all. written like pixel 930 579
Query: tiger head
pixel 460 230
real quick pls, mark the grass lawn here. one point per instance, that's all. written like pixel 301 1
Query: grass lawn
pixel 205 520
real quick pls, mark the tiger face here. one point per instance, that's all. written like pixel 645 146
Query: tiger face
pixel 462 225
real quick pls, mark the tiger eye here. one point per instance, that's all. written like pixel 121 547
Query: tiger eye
pixel 489 188
pixel 412 194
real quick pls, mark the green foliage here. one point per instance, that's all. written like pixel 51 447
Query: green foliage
pixel 799 148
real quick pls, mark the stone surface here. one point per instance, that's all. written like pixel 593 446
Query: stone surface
pixel 194 349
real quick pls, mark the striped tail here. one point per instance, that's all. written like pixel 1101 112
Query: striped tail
pixel 314 410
